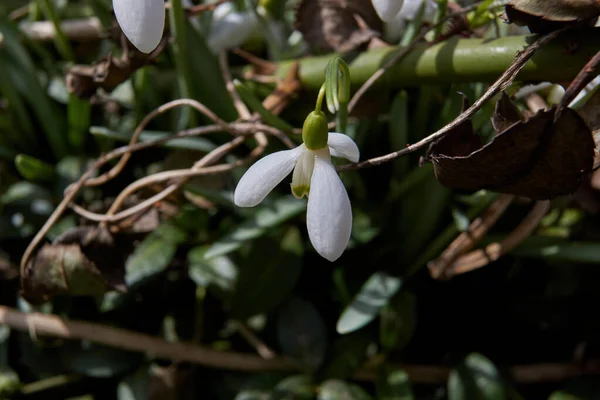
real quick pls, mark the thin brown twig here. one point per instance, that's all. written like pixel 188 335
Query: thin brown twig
pixel 501 83
pixel 54 326
pixel 492 252
pixel 248 334
pixel 468 239
pixel 585 76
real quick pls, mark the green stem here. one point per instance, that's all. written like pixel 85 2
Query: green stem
pixel 460 60
pixel 60 40
pixel 320 98
pixel 341 118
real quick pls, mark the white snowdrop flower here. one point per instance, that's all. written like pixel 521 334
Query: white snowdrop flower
pixel 142 21
pixel 387 9
pixel 230 28
pixel 394 27
pixel 329 214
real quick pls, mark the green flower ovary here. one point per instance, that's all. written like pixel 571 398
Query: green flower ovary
pixel 314 131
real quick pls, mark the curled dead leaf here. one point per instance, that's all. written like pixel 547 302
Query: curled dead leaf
pixel 85 261
pixel 536 158
pixel 546 15
pixel 337 25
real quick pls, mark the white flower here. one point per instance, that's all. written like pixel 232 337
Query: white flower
pixel 328 215
pixel 142 21
pixel 394 26
pixel 230 28
pixel 387 9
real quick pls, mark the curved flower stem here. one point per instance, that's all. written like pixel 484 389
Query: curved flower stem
pixel 320 98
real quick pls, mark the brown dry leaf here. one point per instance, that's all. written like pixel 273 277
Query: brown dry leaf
pixel 535 158
pixel 546 15
pixel 506 114
pixel 85 261
pixel 337 25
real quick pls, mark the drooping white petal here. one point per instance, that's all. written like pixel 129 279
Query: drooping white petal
pixel 343 146
pixel 231 30
pixel 142 21
pixel 387 9
pixel 410 9
pixel 303 174
pixel 264 175
pixel 329 215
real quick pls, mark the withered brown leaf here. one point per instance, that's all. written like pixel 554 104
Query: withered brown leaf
pixel 536 158
pixel 546 15
pixel 337 25
pixel 84 261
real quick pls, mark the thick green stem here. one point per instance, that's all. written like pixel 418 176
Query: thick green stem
pixel 320 97
pixel 461 60
pixel 341 118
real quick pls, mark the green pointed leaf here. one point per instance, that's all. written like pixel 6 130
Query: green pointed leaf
pixel 476 378
pixel 296 387
pixel 266 217
pixel 339 390
pixel 33 169
pixel 374 295
pixel 219 272
pixel 154 254
pixel 394 385
pixel 560 395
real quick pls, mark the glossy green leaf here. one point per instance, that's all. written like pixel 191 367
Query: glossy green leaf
pixel 295 387
pixel 265 218
pixel 394 385
pixel 339 390
pixel 33 169
pixel 476 378
pixel 265 282
pixel 135 386
pixel 79 115
pixel 218 271
pixel 154 253
pixel 256 105
pixel 374 294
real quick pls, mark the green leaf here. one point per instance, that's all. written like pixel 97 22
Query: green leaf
pixel 476 378
pixel 256 105
pixel 553 249
pixel 399 130
pixel 154 254
pixel 373 295
pixel 200 144
pixel 265 282
pixel 98 361
pixel 339 390
pixel 79 114
pixel 265 218
pixel 302 333
pixel 134 386
pixel 219 271
pixel 394 385
pixel 296 387
pixel 33 169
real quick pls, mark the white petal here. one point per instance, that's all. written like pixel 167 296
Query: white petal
pixel 387 9
pixel 142 21
pixel 264 175
pixel 329 215
pixel 232 30
pixel 303 174
pixel 342 145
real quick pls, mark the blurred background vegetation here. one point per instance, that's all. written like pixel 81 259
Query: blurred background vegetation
pixel 372 325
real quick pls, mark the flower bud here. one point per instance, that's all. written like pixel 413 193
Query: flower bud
pixel 337 84
pixel 314 131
